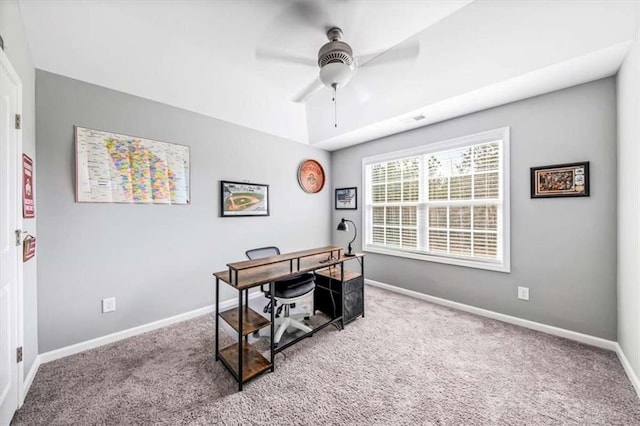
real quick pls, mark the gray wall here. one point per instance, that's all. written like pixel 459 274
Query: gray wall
pixel 628 85
pixel 17 49
pixel 563 249
pixel 156 260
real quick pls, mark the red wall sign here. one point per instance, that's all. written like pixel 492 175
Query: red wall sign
pixel 28 208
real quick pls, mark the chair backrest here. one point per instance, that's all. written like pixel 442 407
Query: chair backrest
pixel 259 253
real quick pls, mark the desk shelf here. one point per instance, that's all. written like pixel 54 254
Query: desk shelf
pixel 253 363
pixel 251 320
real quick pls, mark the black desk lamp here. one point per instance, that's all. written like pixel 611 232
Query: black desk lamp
pixel 342 226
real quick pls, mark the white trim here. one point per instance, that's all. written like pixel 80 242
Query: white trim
pixel 6 63
pixel 633 378
pixel 549 329
pixel 114 337
pixel 28 381
pixel 449 260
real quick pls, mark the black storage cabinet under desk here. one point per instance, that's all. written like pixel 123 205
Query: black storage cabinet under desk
pixel 348 299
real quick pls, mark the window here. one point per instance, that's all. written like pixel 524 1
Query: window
pixel 444 202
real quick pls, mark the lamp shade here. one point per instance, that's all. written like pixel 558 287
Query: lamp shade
pixel 342 226
pixel 335 74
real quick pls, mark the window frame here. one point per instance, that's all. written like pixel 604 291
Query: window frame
pixel 504 238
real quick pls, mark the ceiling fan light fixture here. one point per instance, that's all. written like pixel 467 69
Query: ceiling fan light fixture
pixel 335 74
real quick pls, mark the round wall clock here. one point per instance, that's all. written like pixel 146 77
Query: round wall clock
pixel 311 176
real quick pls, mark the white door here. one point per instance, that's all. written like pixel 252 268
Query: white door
pixel 9 222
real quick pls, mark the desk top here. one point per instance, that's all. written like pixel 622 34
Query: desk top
pixel 247 264
pixel 275 268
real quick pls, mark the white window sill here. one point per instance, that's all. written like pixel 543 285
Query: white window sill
pixel 498 267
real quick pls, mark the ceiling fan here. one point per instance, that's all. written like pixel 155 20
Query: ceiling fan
pixel 337 63
pixel 335 59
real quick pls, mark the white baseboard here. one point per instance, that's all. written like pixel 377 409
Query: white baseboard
pixel 26 385
pixel 549 329
pixel 633 377
pixel 114 337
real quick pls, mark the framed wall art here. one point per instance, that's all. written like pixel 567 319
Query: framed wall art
pixel 117 168
pixel 560 180
pixel 347 198
pixel 243 199
pixel 311 176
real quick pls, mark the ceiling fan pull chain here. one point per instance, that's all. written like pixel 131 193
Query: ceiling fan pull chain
pixel 335 105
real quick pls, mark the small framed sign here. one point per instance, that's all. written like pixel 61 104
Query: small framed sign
pixel 28 208
pixel 347 198
pixel 28 248
pixel 560 180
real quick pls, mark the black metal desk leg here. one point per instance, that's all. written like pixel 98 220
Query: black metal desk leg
pixel 342 292
pixel 246 306
pixel 362 273
pixel 240 340
pixel 273 324
pixel 217 312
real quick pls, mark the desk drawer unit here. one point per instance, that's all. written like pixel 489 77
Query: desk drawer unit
pixel 348 297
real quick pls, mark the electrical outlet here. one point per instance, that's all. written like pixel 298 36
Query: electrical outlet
pixel 108 305
pixel 523 293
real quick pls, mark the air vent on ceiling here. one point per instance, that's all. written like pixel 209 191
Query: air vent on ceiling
pixel 413 118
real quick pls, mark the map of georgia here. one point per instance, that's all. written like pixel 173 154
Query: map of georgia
pixel 124 169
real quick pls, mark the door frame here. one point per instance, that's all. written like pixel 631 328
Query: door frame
pixel 13 75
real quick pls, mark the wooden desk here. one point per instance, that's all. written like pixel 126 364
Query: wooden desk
pixel 242 360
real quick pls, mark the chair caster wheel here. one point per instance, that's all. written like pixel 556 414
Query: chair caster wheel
pixel 256 333
pixel 307 318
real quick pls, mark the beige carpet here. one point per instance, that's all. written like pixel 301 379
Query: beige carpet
pixel 407 362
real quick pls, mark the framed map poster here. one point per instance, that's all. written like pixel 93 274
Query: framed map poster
pixel 117 168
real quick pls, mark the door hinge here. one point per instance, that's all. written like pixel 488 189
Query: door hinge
pixel 18 121
pixel 18 237
pixel 19 354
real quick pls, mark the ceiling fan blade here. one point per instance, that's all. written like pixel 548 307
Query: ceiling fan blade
pixel 405 51
pixel 308 91
pixel 362 95
pixel 273 55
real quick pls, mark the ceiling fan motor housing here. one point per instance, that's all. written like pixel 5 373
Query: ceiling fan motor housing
pixel 335 51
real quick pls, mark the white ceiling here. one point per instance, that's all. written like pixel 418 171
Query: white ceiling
pixel 201 56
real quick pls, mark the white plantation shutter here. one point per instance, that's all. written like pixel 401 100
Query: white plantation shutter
pixel 442 202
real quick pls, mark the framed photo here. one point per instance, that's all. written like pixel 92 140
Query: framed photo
pixel 560 180
pixel 347 198
pixel 243 199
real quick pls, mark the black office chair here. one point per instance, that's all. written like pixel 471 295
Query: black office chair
pixel 286 293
